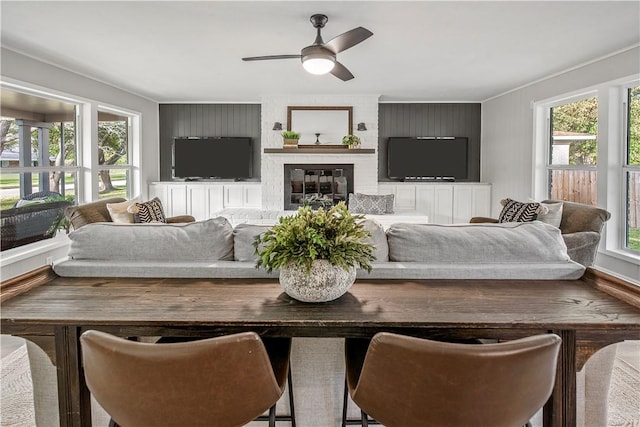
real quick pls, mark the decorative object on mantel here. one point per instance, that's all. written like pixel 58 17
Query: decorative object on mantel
pixel 290 139
pixel 317 252
pixel 277 126
pixel 362 126
pixel 351 141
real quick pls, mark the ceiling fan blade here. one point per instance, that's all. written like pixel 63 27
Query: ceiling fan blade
pixel 263 58
pixel 349 39
pixel 341 72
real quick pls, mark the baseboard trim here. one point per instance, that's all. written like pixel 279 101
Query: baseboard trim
pixel 25 282
pixel 614 286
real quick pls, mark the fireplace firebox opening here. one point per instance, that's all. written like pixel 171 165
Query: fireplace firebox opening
pixel 316 185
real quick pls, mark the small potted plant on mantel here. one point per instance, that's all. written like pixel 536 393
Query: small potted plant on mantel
pixel 291 139
pixel 351 141
pixel 317 252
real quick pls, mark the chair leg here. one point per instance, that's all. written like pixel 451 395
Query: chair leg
pixel 364 419
pixel 272 417
pixel 291 407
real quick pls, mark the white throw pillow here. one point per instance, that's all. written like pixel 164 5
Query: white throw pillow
pixel 553 215
pixel 119 212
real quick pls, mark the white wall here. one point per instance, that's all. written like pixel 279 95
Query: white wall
pixel 508 135
pixel 17 68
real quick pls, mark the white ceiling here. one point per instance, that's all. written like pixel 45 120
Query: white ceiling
pixel 178 51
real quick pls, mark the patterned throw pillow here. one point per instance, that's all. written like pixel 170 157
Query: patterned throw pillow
pixel 514 211
pixel 151 211
pixel 368 203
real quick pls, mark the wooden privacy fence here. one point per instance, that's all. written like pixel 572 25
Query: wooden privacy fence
pixel 582 187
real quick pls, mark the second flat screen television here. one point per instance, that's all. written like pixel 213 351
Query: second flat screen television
pixel 428 158
pixel 204 158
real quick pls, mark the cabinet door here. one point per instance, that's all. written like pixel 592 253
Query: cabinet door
pixel 253 196
pixel 233 196
pixel 197 202
pixel 177 200
pixel 443 204
pixel 482 200
pixel 215 198
pixel 463 202
pixel 406 197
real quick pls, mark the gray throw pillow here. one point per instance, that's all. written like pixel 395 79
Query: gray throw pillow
pixel 374 204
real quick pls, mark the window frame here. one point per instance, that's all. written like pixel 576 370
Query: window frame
pixel 626 168
pixel 610 152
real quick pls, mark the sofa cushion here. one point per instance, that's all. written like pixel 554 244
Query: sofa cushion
pixel 150 211
pixel 513 242
pixel 119 211
pixel 243 237
pixel 553 214
pixel 378 239
pixel 370 203
pixel 514 211
pixel 196 241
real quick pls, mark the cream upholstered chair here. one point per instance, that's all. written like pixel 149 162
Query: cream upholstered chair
pixel 223 381
pixel 412 382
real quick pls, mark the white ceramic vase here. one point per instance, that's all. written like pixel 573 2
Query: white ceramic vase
pixel 325 282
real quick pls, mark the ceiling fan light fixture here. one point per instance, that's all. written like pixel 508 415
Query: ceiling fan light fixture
pixel 318 64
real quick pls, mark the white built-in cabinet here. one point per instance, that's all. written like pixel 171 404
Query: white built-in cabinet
pixel 203 199
pixel 444 203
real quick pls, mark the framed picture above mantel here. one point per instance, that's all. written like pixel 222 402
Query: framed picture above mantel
pixel 319 125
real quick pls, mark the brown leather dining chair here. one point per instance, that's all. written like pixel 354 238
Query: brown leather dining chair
pixel 223 381
pixel 406 381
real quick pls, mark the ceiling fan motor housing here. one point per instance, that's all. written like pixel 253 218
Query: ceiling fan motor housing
pixel 315 51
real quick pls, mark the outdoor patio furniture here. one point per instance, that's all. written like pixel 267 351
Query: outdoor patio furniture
pixel 31 223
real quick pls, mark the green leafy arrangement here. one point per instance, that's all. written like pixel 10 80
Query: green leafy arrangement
pixel 350 140
pixel 334 235
pixel 289 134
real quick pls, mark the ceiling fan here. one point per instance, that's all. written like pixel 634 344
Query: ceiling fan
pixel 320 57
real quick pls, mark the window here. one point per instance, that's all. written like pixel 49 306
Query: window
pixel 113 154
pixel 37 148
pixel 572 174
pixel 54 144
pixel 631 169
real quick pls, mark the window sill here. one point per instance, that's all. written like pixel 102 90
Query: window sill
pixel 14 255
pixel 623 255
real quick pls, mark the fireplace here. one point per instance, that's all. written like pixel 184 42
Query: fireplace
pixel 316 185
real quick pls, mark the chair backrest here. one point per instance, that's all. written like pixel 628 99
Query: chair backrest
pixel 579 217
pixel 407 381
pixel 222 381
pixel 88 213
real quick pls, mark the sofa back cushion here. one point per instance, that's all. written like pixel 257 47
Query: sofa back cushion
pixel 89 213
pixel 378 239
pixel 578 217
pixel 243 237
pixel 515 242
pixel 208 240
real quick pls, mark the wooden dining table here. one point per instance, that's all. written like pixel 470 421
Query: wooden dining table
pixel 56 312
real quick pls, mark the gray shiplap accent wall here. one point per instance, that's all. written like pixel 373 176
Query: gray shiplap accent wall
pixel 413 120
pixel 237 120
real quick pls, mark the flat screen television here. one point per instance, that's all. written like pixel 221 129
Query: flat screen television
pixel 428 158
pixel 203 158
